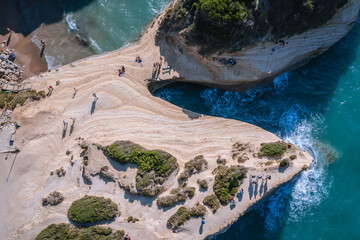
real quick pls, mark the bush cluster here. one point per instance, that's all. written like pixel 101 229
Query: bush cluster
pixel 285 162
pixel 64 231
pixel 276 149
pixel 212 201
pixel 228 181
pixel 183 214
pixel 177 195
pixel 90 209
pixel 132 219
pixel 154 166
pixel 203 183
pixel 196 165
pixel 222 10
pixel 10 100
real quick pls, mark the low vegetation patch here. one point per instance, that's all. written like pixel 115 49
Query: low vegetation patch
pixel 276 149
pixel 11 100
pixel 212 201
pixel 183 214
pixel 132 219
pixel 228 181
pixel 91 209
pixel 196 165
pixel 177 195
pixel 154 166
pixel 285 162
pixel 64 231
pixel 203 183
pixel 293 157
pixel 53 199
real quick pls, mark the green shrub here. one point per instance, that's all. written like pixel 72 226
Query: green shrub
pixel 223 10
pixel 68 152
pixel 203 183
pixel 212 201
pixel 276 149
pixel 91 209
pixel 177 195
pixel 196 165
pixel 228 181
pixel 64 231
pixel 183 214
pixel 154 166
pixel 132 219
pixel 293 157
pixel 285 162
pixel 11 100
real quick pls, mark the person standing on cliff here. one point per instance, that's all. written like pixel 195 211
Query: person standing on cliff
pixel 9 37
pixel 42 48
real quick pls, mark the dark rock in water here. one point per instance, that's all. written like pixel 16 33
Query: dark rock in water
pixel 82 40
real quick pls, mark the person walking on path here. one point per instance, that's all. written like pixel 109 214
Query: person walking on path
pixel 73 119
pixel 42 48
pixel 95 97
pixel 75 91
pixel 50 89
pixel 9 37
pixel 65 124
pixel 202 221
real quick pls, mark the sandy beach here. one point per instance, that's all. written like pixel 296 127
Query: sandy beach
pixel 27 53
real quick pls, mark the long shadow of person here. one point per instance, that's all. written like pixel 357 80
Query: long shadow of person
pixel 256 189
pixel 201 228
pixel 265 187
pixel 240 197
pixel 71 129
pixel 261 188
pixel 250 189
pixel 93 105
pixel 64 132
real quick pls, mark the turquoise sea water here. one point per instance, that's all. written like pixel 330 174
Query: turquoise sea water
pixel 316 107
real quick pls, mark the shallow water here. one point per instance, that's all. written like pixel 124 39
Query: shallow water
pixel 316 106
pixel 85 28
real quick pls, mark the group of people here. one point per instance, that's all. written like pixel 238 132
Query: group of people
pixel 167 69
pixel 139 60
pixel 121 71
pixel 260 177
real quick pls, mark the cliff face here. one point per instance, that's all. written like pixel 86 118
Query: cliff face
pixel 239 61
pixel 217 25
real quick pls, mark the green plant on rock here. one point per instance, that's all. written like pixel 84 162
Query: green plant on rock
pixel 183 214
pixel 223 10
pixel 276 149
pixel 285 162
pixel 212 201
pixel 177 195
pixel 64 231
pixel 196 165
pixel 90 209
pixel 203 183
pixel 228 181
pixel 154 166
pixel 11 100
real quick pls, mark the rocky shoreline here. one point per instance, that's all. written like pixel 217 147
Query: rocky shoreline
pixel 124 110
